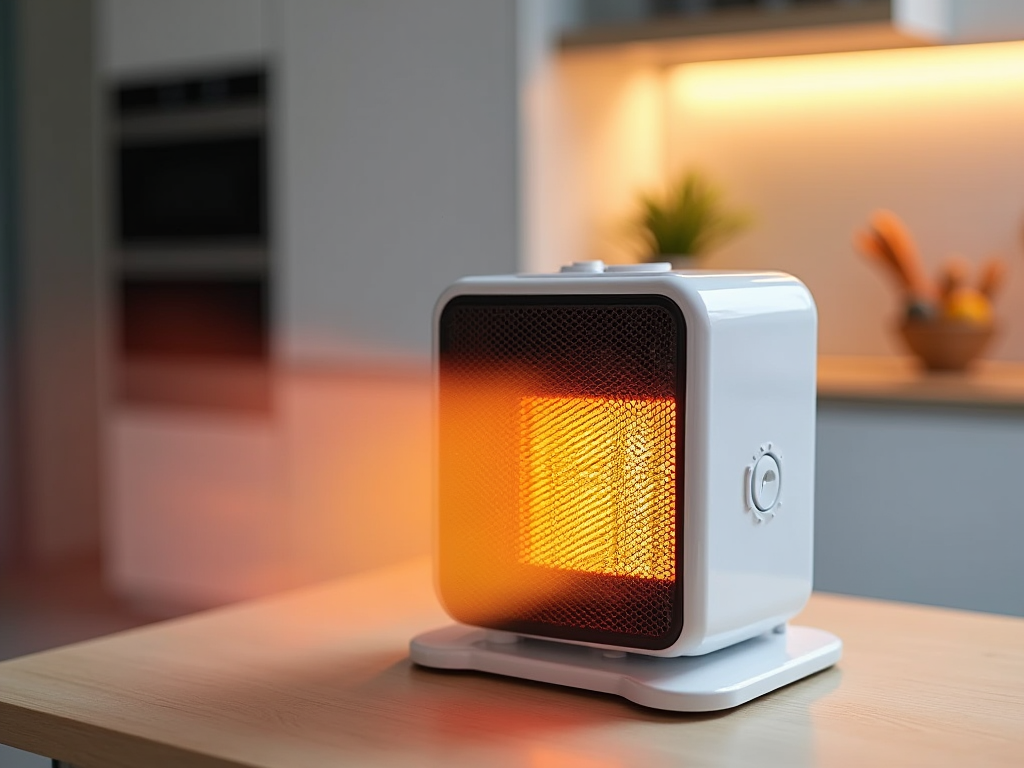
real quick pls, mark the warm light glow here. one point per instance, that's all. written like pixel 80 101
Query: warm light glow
pixel 597 485
pixel 915 73
pixel 813 144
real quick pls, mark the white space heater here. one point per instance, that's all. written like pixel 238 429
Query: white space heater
pixel 625 482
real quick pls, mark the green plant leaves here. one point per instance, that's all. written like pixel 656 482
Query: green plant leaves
pixel 689 218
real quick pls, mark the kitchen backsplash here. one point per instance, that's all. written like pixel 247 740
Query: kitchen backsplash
pixel 814 144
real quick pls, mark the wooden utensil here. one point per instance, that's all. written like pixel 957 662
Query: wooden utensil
pixel 897 239
pixel 871 246
pixel 993 276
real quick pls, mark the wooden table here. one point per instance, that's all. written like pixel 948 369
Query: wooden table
pixel 320 677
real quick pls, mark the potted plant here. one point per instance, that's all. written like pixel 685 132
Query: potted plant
pixel 688 219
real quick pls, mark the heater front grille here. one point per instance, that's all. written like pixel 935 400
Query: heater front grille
pixel 560 448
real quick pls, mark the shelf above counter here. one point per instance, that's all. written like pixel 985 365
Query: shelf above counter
pixel 990 384
pixel 749 32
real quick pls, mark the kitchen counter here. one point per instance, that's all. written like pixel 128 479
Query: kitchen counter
pixel 918 475
pixel 990 384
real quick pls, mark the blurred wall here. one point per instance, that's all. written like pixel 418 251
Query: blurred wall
pixel 61 295
pixel 813 144
pixel 594 128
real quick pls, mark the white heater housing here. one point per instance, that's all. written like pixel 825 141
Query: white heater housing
pixel 732 496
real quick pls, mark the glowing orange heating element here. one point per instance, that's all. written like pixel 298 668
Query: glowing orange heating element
pixel 597 485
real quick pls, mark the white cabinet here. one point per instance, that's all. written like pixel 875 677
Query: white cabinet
pixel 961 21
pixel 15 758
pixel 359 451
pixel 208 509
pixel 920 503
pixel 397 167
pixel 394 136
pixel 144 36
pixel 696 30
pixel 197 508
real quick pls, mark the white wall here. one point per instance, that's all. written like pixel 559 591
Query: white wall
pixel 397 167
pixel 593 128
pixel 811 145
pixel 814 144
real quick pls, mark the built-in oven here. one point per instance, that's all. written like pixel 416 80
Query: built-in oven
pixel 191 237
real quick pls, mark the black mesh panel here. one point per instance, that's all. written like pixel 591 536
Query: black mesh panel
pixel 560 466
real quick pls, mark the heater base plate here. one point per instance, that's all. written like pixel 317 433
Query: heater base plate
pixel 718 680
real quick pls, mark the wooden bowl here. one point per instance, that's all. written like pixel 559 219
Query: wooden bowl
pixel 946 345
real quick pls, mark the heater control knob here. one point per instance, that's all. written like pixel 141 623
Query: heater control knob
pixel 584 266
pixel 639 269
pixel 765 482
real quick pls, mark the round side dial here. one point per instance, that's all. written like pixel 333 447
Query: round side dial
pixel 765 482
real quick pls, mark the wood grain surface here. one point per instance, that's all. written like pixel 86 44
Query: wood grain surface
pixel 989 384
pixel 321 677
